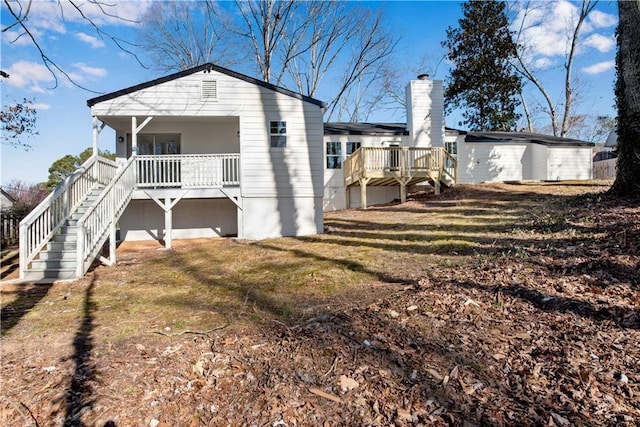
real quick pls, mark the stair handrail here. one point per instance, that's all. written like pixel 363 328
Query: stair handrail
pixel 450 165
pixel 46 219
pixel 93 227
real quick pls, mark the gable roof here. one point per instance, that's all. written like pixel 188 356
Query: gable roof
pixel 208 67
pixel 347 128
pixel 7 196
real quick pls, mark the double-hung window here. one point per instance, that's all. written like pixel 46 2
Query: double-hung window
pixel 352 147
pixel 278 134
pixel 334 155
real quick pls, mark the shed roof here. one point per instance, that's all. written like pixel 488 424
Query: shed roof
pixel 208 67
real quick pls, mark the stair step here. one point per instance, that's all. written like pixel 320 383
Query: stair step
pixel 66 273
pixel 57 255
pixel 65 238
pixel 62 246
pixel 49 265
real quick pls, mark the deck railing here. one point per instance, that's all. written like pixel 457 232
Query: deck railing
pixel 37 228
pixel 101 217
pixel 188 170
pixel 399 161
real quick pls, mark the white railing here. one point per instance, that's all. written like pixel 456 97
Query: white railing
pixel 37 228
pixel 94 226
pixel 188 170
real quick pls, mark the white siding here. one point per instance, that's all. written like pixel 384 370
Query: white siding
pixel 481 162
pixel 295 170
pixel 569 163
pixel 192 218
pixel 267 174
pixel 539 162
pixel 283 216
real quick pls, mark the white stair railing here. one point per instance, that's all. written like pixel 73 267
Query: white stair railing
pixel 102 216
pixel 43 222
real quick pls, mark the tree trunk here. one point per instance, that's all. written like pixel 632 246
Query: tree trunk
pixel 628 99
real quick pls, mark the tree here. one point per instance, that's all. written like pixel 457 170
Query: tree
pixel 26 196
pixel 18 122
pixel 628 99
pixel 483 82
pixel 291 43
pixel 181 35
pixel 65 166
pixel 561 123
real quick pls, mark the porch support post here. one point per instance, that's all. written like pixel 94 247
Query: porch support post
pixel 363 192
pixel 135 129
pixel 112 243
pixel 168 225
pixel 96 131
pixel 134 136
pixel 347 197
pixel 167 207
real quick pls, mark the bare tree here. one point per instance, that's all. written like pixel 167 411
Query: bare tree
pixel 181 35
pixel 293 44
pixel 560 121
pixel 19 11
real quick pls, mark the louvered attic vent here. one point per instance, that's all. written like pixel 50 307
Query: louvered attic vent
pixel 209 90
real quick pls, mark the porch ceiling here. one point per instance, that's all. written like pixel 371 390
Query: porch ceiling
pixel 124 122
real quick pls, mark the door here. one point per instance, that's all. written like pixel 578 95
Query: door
pixel 164 168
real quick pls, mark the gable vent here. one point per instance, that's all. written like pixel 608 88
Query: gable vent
pixel 209 90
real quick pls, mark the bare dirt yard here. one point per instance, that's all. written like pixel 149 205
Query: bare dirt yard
pixel 502 304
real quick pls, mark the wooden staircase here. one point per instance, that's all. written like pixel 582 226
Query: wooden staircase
pixel 65 233
pixel 58 259
pixel 402 166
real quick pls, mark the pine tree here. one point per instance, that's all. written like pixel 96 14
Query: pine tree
pixel 628 99
pixel 482 80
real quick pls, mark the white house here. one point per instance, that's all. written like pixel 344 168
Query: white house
pixel 200 153
pixel 397 156
pixel 6 201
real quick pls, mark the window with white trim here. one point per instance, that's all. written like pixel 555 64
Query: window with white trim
pixel 278 134
pixel 352 147
pixel 334 155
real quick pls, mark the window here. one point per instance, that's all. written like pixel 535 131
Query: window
pixel 209 90
pixel 451 147
pixel 334 155
pixel 352 147
pixel 278 134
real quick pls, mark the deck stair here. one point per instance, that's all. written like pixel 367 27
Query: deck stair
pixel 65 233
pixel 58 259
pixel 402 166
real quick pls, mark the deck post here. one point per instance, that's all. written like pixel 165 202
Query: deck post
pixel 112 243
pixel 403 192
pixel 168 223
pixel 96 131
pixel 363 192
pixel 347 197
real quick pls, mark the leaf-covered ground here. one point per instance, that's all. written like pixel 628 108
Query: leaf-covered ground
pixel 496 304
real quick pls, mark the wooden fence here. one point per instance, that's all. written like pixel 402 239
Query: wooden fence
pixel 604 169
pixel 10 223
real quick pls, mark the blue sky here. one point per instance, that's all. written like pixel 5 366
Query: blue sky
pixel 64 120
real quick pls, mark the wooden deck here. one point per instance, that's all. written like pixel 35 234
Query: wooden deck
pixel 403 166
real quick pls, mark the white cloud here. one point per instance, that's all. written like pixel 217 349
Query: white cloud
pixel 41 106
pixel 90 71
pixel 599 67
pixel 600 42
pixel 16 38
pixel 30 75
pixel 598 19
pixel 542 63
pixel 90 40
